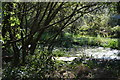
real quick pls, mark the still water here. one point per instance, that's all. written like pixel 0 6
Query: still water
pixel 92 52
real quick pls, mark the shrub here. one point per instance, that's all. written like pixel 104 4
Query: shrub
pixel 37 66
pixel 58 53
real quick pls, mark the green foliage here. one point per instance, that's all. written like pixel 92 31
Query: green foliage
pixel 25 25
pixel 58 53
pixel 38 66
pixel 116 31
pixel 98 41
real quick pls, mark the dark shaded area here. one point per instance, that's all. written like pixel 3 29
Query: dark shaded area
pixel 75 43
pixel 7 59
pixel 99 68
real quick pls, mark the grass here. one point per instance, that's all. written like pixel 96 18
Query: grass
pixel 113 43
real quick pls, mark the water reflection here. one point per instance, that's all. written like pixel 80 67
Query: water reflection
pixel 92 52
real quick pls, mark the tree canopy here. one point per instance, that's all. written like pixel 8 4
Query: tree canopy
pixel 26 25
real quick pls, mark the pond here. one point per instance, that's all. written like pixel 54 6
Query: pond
pixel 91 52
